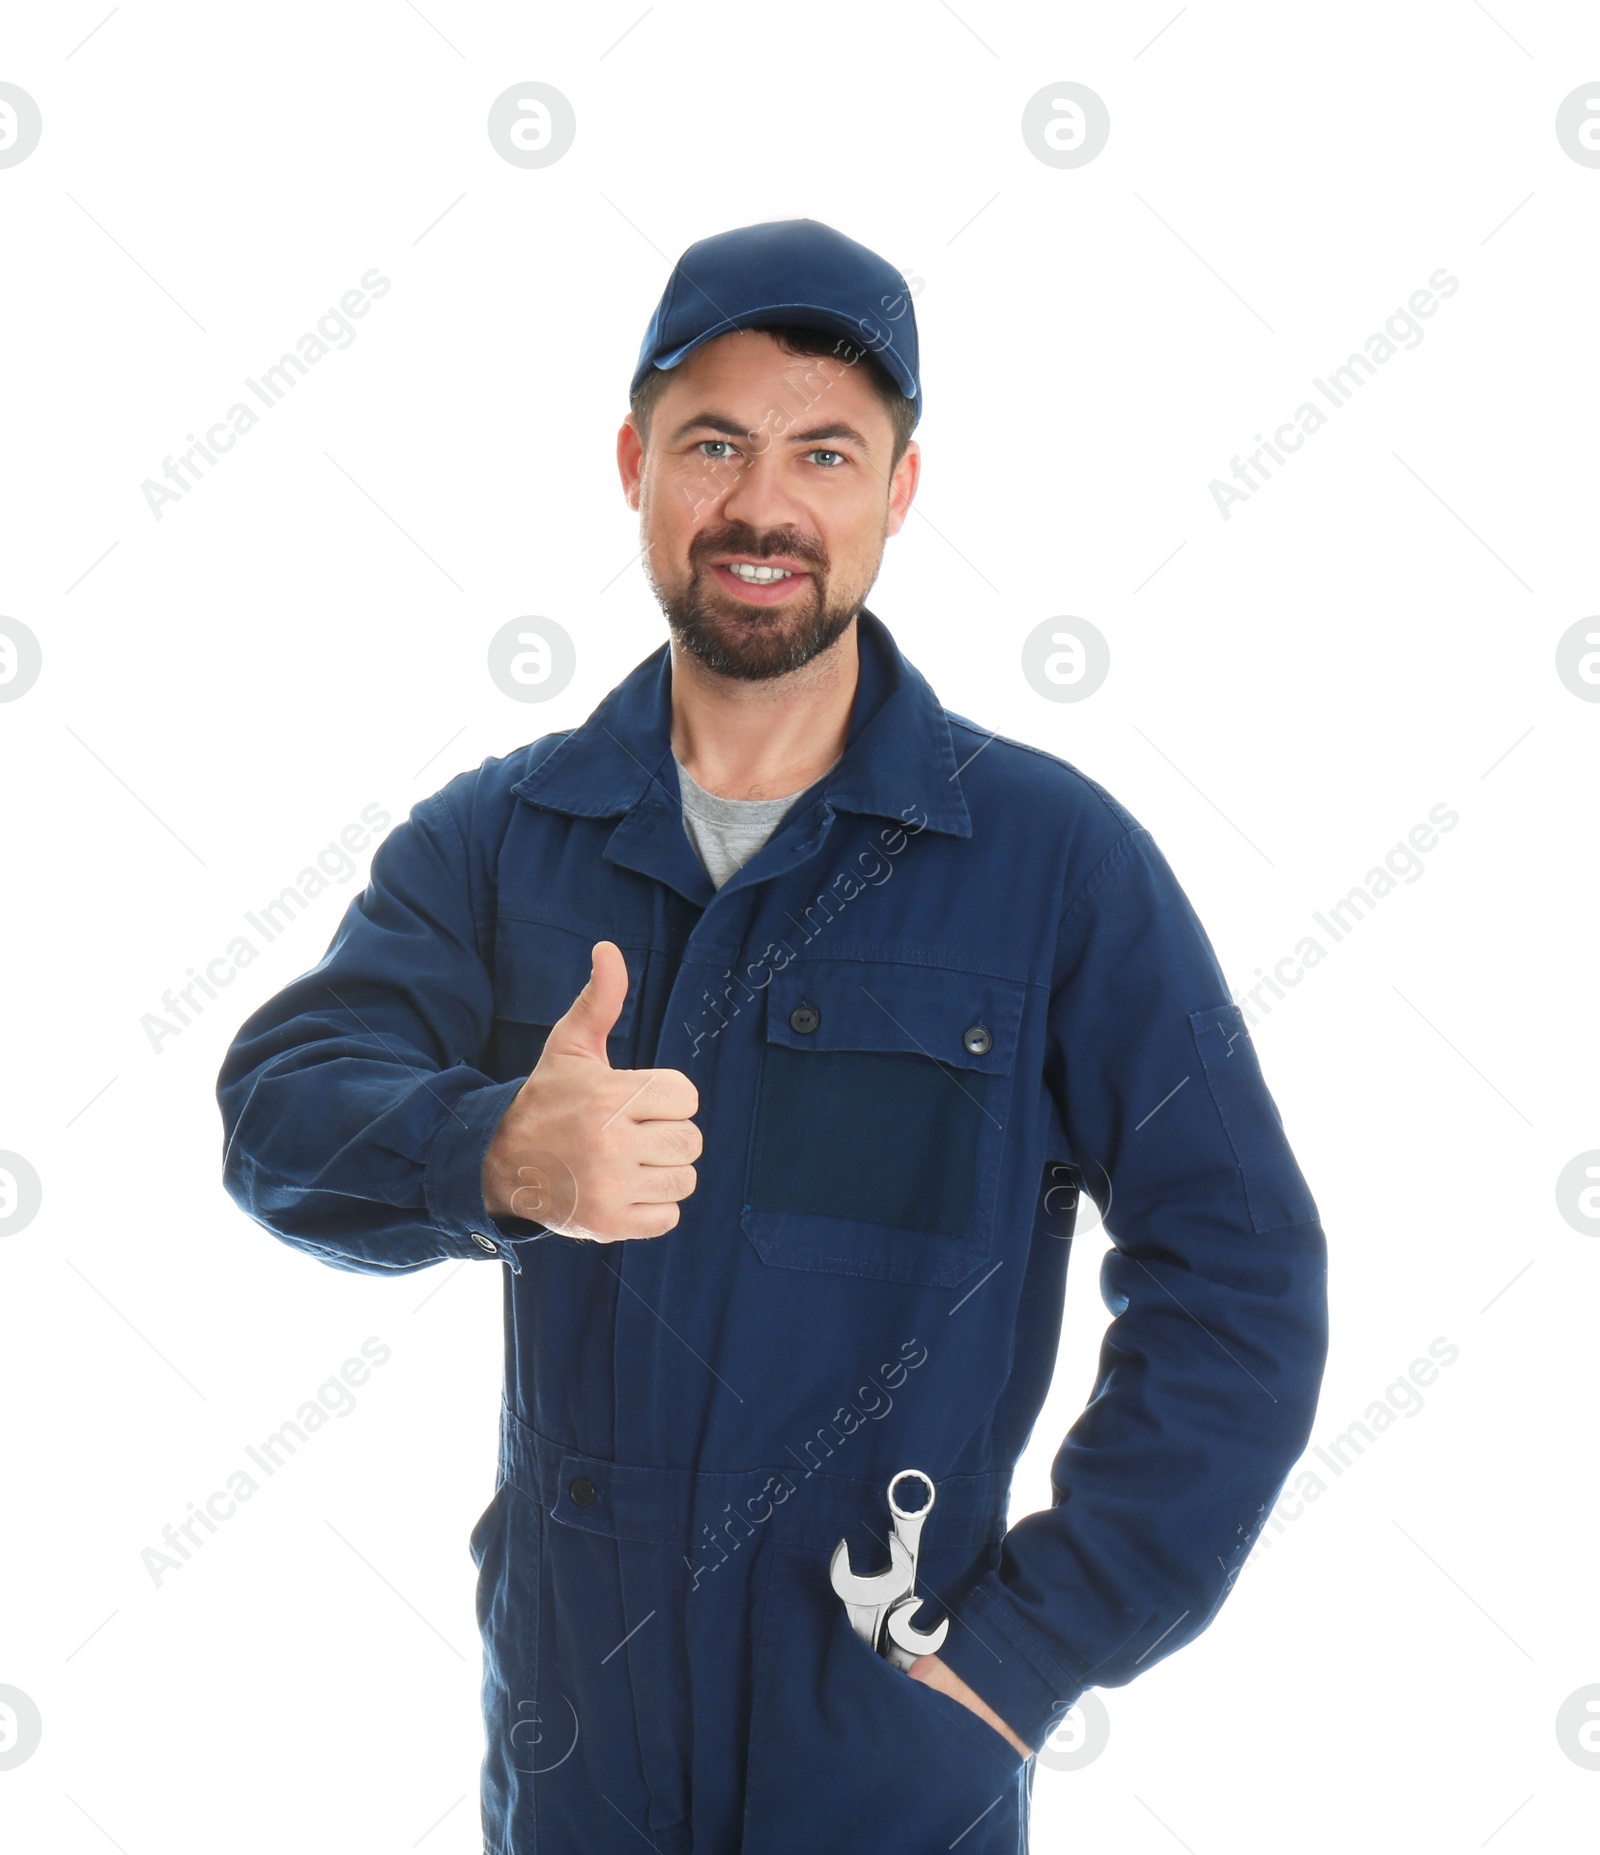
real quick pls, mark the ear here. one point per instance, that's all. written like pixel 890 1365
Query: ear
pixel 630 460
pixel 903 487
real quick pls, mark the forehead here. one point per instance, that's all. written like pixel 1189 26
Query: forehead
pixel 746 375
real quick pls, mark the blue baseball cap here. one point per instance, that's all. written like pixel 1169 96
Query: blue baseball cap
pixel 786 271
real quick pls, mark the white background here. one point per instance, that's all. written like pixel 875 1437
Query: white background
pixel 1372 634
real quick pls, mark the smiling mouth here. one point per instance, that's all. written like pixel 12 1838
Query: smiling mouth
pixel 756 573
pixel 758 582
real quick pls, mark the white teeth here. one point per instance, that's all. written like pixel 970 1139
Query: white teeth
pixel 758 575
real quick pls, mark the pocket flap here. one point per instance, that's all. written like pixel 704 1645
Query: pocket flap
pixel 540 969
pixel 969 1020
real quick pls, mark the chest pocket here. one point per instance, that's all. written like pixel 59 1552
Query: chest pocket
pixel 880 1117
pixel 538 971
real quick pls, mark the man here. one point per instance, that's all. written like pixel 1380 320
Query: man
pixel 765 1027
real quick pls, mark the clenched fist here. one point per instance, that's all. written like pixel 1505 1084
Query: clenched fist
pixel 588 1150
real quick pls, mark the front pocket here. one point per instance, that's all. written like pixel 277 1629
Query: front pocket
pixel 847 1752
pixel 880 1116
pixel 539 970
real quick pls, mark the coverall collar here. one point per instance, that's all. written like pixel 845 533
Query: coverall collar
pixel 899 761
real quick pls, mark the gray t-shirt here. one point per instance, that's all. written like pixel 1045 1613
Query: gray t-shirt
pixel 727 833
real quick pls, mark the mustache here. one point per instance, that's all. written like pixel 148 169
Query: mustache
pixel 738 540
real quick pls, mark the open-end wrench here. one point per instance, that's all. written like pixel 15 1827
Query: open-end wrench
pixel 903 1641
pixel 869 1598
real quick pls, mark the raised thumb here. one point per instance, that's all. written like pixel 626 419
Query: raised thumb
pixel 592 1015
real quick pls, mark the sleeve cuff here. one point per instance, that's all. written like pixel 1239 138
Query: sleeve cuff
pixel 1025 1687
pixel 452 1183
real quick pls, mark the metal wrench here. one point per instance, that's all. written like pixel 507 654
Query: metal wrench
pixel 872 1599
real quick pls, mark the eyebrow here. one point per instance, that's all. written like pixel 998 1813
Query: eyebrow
pixel 731 428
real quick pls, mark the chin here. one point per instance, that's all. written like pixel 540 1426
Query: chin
pixel 756 656
pixel 755 643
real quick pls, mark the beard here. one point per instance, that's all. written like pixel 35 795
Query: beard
pixel 749 642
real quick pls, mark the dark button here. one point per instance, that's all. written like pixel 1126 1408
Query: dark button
pixel 976 1039
pixel 804 1018
pixel 583 1491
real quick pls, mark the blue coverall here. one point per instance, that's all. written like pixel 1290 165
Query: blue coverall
pixel 959 985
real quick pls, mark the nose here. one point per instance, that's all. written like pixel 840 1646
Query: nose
pixel 757 497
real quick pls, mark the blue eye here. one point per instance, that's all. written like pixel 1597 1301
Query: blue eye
pixel 701 448
pixel 838 454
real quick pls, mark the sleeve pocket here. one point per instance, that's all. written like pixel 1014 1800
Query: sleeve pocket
pixel 1274 1187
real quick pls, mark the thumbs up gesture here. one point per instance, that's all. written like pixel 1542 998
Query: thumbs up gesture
pixel 588 1150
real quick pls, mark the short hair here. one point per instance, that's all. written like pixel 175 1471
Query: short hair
pixel 804 341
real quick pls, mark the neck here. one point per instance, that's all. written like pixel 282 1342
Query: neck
pixel 763 740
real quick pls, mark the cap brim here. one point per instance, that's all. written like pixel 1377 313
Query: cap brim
pixel 802 315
